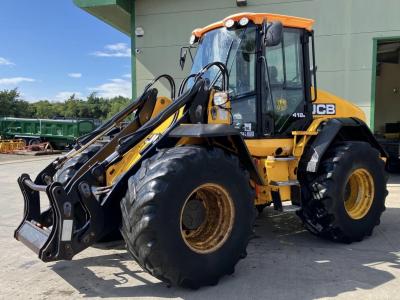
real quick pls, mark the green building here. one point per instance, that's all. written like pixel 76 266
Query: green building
pixel 358 42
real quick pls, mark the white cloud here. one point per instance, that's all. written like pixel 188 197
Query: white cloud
pixel 62 96
pixel 114 50
pixel 127 75
pixel 75 75
pixel 113 88
pixel 15 80
pixel 5 62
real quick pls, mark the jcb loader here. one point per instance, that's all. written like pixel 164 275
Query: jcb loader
pixel 182 177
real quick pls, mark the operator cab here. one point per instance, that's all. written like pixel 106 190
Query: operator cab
pixel 269 80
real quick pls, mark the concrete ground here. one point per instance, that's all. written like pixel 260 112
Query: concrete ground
pixel 283 262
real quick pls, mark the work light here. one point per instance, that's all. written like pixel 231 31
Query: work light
pixel 244 21
pixel 229 23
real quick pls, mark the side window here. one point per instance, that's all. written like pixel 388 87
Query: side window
pixel 285 68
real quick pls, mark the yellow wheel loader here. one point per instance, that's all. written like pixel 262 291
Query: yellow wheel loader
pixel 182 176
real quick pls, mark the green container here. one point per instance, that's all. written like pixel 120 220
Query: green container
pixel 59 133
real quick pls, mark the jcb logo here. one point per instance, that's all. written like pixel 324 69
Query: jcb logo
pixel 324 109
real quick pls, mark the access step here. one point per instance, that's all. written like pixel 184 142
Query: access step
pixel 285 183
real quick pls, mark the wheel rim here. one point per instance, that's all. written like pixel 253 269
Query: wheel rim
pixel 360 191
pixel 207 218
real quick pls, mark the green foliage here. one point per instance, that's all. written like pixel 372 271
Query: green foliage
pixel 12 104
pixel 94 107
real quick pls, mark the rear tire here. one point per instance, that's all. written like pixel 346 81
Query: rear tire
pixel 156 228
pixel 346 198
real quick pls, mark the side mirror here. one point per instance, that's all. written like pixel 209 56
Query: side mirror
pixel 273 33
pixel 182 59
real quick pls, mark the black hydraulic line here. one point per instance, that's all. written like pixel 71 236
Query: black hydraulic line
pixel 175 107
pixel 170 81
pixel 127 142
pixel 184 82
pixel 130 108
pixel 224 71
pixel 130 140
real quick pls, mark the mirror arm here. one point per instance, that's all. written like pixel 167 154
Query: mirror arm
pixel 183 54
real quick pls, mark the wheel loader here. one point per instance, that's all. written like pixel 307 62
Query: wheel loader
pixel 182 176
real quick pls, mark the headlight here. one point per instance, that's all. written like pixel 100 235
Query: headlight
pixel 244 21
pixel 229 23
pixel 220 98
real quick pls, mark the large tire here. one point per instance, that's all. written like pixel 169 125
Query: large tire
pixel 334 204
pixel 71 166
pixel 153 214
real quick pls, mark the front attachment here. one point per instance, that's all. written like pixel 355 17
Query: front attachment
pixel 62 230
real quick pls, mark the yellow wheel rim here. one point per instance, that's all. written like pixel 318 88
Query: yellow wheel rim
pixel 360 191
pixel 207 218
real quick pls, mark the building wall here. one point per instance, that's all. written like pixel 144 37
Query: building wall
pixel 388 96
pixel 344 36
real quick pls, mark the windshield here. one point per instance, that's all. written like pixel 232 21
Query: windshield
pixel 237 50
pixel 221 45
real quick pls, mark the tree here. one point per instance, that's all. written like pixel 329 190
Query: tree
pixel 117 104
pixel 12 106
pixel 93 107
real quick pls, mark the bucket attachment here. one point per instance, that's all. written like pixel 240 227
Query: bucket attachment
pixel 64 229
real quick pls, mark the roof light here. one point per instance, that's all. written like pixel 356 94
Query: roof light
pixel 229 23
pixel 244 21
pixel 193 39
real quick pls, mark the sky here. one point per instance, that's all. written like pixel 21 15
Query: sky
pixel 50 49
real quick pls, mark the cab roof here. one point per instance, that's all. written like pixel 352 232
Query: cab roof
pixel 258 18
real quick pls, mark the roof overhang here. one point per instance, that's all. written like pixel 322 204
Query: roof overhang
pixel 258 18
pixel 116 13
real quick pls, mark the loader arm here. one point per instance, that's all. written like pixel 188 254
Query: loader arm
pixel 86 209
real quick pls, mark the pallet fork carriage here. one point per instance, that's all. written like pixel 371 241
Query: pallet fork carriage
pixel 180 176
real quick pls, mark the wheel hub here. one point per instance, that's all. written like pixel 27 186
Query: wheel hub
pixel 193 215
pixel 207 218
pixel 359 194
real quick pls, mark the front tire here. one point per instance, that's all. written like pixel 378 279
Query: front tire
pixel 344 201
pixel 188 215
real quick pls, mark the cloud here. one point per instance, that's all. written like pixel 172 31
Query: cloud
pixel 15 80
pixel 5 62
pixel 75 75
pixel 114 50
pixel 114 88
pixel 62 96
pixel 127 75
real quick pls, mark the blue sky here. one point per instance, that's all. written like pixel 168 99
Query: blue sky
pixel 50 49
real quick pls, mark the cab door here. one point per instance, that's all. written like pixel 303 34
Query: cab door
pixel 285 85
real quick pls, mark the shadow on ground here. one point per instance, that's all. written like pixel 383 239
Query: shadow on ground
pixel 284 262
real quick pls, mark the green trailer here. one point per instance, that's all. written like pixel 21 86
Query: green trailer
pixel 60 133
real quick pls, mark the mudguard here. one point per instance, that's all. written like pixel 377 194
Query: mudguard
pixel 342 129
pixel 223 134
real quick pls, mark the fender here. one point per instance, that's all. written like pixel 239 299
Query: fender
pixel 225 135
pixel 338 129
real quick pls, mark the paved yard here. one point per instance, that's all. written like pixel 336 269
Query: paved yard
pixel 284 261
